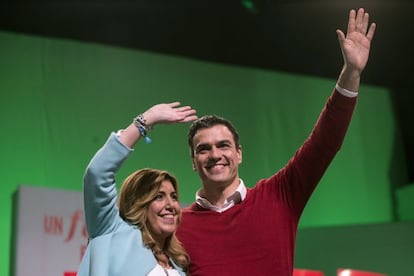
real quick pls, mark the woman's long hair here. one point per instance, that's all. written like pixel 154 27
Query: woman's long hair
pixel 137 192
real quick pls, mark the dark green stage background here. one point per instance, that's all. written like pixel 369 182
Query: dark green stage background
pixel 60 100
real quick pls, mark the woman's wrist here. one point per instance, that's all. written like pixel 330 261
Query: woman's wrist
pixel 148 120
pixel 143 127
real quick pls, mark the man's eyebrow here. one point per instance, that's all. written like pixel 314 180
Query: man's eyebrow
pixel 203 145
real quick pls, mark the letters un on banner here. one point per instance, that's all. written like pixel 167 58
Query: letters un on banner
pixel 51 234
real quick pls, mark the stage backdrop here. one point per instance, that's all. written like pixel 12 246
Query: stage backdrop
pixel 60 99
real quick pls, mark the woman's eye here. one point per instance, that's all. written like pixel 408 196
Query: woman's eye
pixel 158 197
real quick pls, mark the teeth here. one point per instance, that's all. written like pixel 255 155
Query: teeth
pixel 216 165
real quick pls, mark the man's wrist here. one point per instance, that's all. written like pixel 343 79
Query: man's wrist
pixel 346 92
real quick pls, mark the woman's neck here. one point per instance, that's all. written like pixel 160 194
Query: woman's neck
pixel 162 259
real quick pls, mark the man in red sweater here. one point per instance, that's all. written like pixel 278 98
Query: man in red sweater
pixel 234 230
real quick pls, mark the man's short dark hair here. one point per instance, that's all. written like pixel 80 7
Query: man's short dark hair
pixel 208 121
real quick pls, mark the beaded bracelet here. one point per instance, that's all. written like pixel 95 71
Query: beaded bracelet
pixel 142 127
pixel 140 118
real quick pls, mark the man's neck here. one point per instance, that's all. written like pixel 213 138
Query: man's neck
pixel 217 193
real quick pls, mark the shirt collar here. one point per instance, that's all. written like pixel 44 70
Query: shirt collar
pixel 238 196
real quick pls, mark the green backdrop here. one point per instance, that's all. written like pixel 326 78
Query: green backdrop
pixel 60 99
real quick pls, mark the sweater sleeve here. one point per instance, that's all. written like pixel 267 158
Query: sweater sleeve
pixel 99 187
pixel 297 180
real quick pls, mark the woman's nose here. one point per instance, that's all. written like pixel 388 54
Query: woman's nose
pixel 169 202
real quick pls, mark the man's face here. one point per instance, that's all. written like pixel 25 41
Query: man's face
pixel 216 158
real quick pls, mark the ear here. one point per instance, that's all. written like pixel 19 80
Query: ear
pixel 239 153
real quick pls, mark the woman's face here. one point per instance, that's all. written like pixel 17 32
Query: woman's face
pixel 163 211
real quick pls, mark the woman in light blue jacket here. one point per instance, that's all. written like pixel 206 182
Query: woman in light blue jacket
pixel 133 233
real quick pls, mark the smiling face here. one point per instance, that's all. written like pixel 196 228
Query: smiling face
pixel 216 157
pixel 164 211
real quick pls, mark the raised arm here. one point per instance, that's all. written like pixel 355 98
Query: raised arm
pixel 100 192
pixel 165 113
pixel 355 46
pixel 310 162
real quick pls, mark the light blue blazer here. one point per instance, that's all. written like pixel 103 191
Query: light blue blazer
pixel 115 247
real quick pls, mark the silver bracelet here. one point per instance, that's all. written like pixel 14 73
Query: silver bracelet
pixel 139 122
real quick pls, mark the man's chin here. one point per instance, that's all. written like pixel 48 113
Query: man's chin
pixel 218 180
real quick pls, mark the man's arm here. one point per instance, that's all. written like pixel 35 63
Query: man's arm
pixel 304 171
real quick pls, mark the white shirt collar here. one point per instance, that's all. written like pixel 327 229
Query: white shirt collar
pixel 238 196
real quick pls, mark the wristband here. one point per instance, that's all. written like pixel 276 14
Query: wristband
pixel 140 123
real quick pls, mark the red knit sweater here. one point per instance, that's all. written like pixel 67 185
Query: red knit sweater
pixel 257 236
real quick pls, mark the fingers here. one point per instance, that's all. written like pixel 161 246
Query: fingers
pixel 364 21
pixel 341 36
pixel 371 31
pixel 174 104
pixel 359 22
pixel 169 113
pixel 183 113
pixel 188 114
pixel 183 108
pixel 351 21
pixel 189 119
